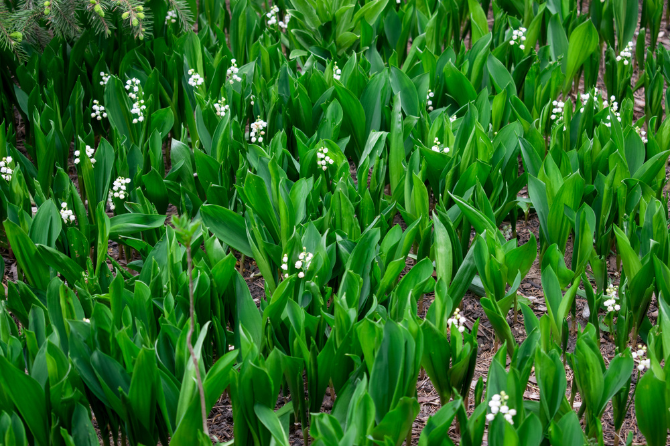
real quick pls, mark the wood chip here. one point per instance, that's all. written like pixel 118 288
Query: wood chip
pixel 432 400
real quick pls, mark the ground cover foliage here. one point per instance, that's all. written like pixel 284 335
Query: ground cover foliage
pixel 371 162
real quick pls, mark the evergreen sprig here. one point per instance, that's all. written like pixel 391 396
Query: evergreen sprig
pixel 135 17
pixel 98 14
pixel 27 22
pixel 36 22
pixel 184 14
pixel 62 17
pixel 10 38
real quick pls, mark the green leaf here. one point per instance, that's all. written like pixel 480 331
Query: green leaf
pixel 141 395
pixel 127 224
pixel 46 225
pixel 398 422
pixel 583 41
pixel 353 119
pixel 404 86
pixel 552 382
pixel 228 226
pixel 162 120
pixel 477 219
pixel 396 146
pixel 28 397
pixel 618 373
pixel 478 21
pixel 118 106
pixel 437 428
pixel 631 262
pixel 443 251
pixel 558 41
pixel 458 86
pixel 247 314
pixel 270 420
pixel 370 11
pixel 61 263
pixel 25 251
pixel 83 432
pixel 650 409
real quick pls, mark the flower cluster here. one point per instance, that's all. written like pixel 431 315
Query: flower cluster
pixel 497 404
pixel 626 54
pixel 615 104
pixel 98 110
pixel 323 160
pixel 284 265
pixel 272 15
pixel 257 130
pixel 221 107
pixel 105 78
pixel 304 260
pixel 171 17
pixel 119 188
pixel 585 97
pixel 437 147
pixel 252 99
pixel 519 36
pixel 231 74
pixel 640 357
pixel 195 79
pixel 66 214
pixel 138 109
pixel 6 170
pixel 284 25
pixel 642 133
pixel 88 150
pixel 457 321
pixel 611 303
pixel 133 86
pixel 429 98
pixel 507 231
pixel 617 115
pixel 452 118
pixel 557 111
pixel 336 72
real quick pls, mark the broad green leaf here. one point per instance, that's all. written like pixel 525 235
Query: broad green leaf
pixel 582 42
pixel 228 226
pixel 127 224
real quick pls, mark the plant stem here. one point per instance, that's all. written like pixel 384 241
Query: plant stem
pixel 203 406
pixel 105 437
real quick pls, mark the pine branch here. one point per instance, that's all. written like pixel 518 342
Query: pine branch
pixel 28 16
pixel 135 17
pixel 99 18
pixel 63 18
pixel 184 15
pixel 10 38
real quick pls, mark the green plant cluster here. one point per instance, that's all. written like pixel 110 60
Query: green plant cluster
pixel 370 160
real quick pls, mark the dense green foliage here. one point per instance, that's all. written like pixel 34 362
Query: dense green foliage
pixel 298 135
